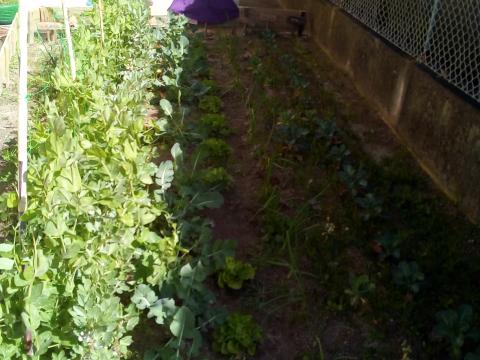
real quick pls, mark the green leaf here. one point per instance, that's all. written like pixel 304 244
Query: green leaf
pixel 12 200
pixel 157 312
pixel 210 200
pixel 6 264
pixel 6 247
pixel 70 179
pixel 164 175
pixel 43 264
pixel 183 324
pixel 144 297
pixel 166 107
pixel 177 153
pixel 130 150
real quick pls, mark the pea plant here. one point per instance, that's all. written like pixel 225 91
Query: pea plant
pixel 109 231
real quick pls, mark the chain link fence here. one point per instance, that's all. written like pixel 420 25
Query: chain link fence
pixel 442 34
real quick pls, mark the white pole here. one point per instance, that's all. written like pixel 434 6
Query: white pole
pixel 100 8
pixel 23 108
pixel 73 65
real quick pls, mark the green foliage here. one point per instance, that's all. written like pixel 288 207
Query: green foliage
pixel 390 244
pixel 214 125
pixel 210 104
pixel 456 326
pixel 217 177
pixel 360 287
pixel 408 276
pixel 473 355
pixel 8 157
pixel 235 274
pixel 217 151
pixel 238 336
pixel 105 224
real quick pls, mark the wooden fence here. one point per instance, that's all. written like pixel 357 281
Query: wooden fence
pixel 8 51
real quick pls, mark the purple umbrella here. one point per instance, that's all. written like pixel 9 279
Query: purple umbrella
pixel 206 11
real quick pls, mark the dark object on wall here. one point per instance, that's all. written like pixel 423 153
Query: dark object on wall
pixel 209 12
pixel 299 22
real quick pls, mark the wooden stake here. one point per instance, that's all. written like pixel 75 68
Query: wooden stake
pixel 73 66
pixel 23 109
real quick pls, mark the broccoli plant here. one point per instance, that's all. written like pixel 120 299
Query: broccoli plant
pixel 390 246
pixel 408 275
pixel 235 273
pixel 456 326
pixel 239 336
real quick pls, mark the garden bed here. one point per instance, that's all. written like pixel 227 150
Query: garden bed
pixel 203 195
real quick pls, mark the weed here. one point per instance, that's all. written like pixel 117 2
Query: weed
pixel 360 287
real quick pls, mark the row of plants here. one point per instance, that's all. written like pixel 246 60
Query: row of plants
pixel 113 240
pixel 411 245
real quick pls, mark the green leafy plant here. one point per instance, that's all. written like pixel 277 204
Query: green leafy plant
pixel 360 287
pixel 215 150
pixel 390 246
pixel 408 275
pixel 214 125
pixel 235 273
pixel 473 355
pixel 217 177
pixel 456 326
pixel 239 336
pixel 210 104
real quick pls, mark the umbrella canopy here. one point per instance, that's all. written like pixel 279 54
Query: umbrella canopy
pixel 206 11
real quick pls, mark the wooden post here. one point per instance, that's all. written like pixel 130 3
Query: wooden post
pixel 23 108
pixel 73 66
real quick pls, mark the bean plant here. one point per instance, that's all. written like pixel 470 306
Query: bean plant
pixel 108 229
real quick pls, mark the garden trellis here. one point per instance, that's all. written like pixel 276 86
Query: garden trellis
pixel 444 35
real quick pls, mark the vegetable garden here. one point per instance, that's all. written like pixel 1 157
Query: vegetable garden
pixel 200 195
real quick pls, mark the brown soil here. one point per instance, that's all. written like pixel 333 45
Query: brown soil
pixel 277 299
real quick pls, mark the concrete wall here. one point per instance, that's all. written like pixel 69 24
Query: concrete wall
pixel 441 129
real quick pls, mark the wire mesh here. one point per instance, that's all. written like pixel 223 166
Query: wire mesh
pixel 442 34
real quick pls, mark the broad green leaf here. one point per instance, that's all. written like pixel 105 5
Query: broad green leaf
pixel 144 297
pixel 183 324
pixel 157 311
pixel 127 219
pixel 210 200
pixel 6 247
pixel 130 150
pixel 165 174
pixel 42 264
pixel 166 107
pixel 70 179
pixel 6 264
pixel 177 153
pixel 12 200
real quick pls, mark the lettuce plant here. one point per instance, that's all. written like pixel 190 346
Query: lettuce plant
pixel 239 336
pixel 235 273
